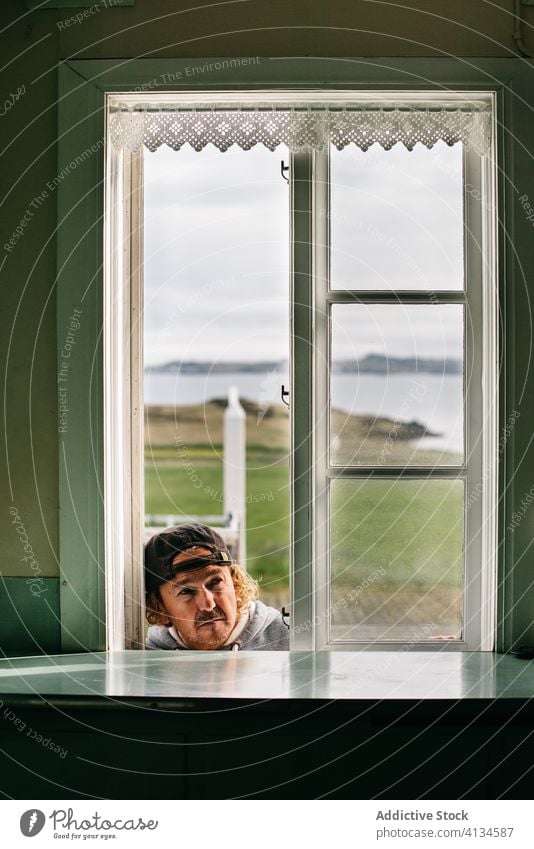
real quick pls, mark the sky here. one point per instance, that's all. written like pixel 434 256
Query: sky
pixel 217 252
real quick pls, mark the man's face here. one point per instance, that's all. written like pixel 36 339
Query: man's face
pixel 201 603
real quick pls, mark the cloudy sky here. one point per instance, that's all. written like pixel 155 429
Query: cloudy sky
pixel 217 255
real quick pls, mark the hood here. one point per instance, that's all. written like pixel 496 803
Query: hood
pixel 263 617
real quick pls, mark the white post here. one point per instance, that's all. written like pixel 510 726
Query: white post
pixel 234 468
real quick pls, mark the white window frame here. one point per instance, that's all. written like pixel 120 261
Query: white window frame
pixel 311 301
pixel 480 467
pixel 123 400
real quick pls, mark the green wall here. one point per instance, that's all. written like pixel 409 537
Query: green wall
pixel 33 43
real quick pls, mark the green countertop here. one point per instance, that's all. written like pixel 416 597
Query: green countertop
pixel 270 675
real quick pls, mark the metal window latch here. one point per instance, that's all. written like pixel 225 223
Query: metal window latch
pixel 285 614
pixel 284 393
pixel 283 168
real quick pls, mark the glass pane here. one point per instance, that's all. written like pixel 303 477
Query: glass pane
pixel 396 386
pixel 216 318
pixel 397 218
pixel 396 560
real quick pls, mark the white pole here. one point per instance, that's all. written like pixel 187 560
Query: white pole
pixel 234 468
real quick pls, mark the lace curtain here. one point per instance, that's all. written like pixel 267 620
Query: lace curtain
pixel 301 128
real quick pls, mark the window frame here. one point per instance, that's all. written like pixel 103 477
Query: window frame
pixel 479 302
pixel 309 179
pixel 123 401
pixel 84 84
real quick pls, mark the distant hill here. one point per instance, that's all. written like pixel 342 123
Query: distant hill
pixel 370 364
pixel 229 367
pixel 379 364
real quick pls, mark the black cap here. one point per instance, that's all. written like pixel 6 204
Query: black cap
pixel 162 548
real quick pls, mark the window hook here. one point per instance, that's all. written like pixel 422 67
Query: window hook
pixel 284 393
pixel 284 167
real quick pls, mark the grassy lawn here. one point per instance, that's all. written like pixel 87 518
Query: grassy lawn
pixel 412 531
pixel 397 556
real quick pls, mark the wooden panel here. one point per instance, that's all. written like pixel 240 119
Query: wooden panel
pixel 79 314
pixel 29 619
pixel 76 4
pixel 385 750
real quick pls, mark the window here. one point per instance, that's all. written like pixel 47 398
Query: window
pixel 393 350
pixel 216 322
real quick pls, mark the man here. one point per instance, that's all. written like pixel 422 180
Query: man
pixel 197 597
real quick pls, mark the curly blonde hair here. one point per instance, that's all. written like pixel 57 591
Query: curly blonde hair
pixel 246 591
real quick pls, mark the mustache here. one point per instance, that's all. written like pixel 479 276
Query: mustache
pixel 202 618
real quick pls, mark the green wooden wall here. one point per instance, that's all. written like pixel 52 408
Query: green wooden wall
pixel 33 43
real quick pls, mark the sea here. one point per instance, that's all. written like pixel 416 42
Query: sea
pixel 435 401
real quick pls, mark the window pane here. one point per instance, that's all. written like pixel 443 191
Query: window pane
pixel 396 387
pixel 397 218
pixel 396 559
pixel 216 317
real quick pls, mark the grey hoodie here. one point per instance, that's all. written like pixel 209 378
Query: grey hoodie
pixel 266 631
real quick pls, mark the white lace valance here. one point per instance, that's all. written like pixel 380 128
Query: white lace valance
pixel 301 128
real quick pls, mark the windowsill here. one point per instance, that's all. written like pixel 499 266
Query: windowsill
pixel 319 676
